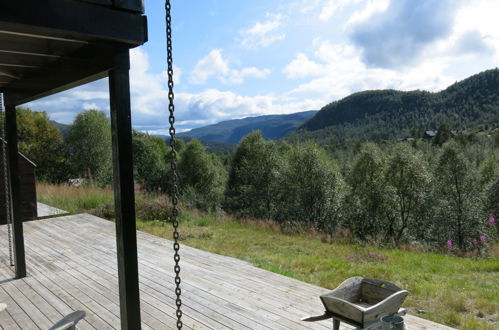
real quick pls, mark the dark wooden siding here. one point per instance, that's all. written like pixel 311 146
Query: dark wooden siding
pixel 28 190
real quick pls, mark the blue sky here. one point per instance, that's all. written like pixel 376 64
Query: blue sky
pixel 235 59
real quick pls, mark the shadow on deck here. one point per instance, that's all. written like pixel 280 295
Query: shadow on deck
pixel 71 265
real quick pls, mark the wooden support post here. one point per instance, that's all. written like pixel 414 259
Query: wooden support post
pixel 126 236
pixel 336 324
pixel 17 221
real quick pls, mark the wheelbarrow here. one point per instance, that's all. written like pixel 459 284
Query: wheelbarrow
pixel 363 302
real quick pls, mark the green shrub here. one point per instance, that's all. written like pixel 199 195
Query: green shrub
pixel 154 209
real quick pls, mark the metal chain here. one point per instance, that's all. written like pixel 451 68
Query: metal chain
pixel 171 119
pixel 5 173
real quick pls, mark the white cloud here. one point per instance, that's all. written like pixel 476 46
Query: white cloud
pixel 238 76
pixel 63 117
pixel 263 33
pixel 212 64
pixel 328 10
pixel 324 9
pixel 302 67
pixel 63 107
pixel 330 7
pixel 148 90
pixel 89 94
pixel 328 52
pixel 371 7
pixel 89 106
pixel 343 73
pixel 479 16
pixel 305 6
pixel 149 99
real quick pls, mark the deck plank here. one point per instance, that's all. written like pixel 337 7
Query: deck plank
pixel 72 265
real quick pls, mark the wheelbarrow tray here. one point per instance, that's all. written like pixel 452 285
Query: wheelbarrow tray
pixel 363 301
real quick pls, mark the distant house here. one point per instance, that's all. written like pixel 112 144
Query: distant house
pixel 430 134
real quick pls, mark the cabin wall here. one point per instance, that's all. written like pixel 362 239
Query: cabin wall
pixel 28 190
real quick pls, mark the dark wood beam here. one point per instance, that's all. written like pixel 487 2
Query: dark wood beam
pixel 23 59
pixel 5 80
pixel 14 65
pixel 8 73
pixel 36 35
pixel 36 46
pixel 132 5
pixel 21 53
pixel 73 20
pixel 87 64
pixel 124 199
pixel 99 2
pixel 17 221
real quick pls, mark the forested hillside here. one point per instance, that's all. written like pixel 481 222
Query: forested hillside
pixel 383 114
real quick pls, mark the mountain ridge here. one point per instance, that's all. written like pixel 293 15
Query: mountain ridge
pixel 272 127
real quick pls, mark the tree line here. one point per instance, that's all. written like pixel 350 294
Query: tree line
pixel 386 193
pixel 436 193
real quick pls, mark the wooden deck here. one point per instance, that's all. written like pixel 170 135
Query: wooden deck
pixel 45 210
pixel 71 265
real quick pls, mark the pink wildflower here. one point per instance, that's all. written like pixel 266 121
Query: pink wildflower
pixel 474 242
pixel 482 238
pixel 449 244
pixel 136 187
pixel 159 189
pixel 492 221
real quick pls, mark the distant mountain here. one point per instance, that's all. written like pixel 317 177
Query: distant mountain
pixel 62 127
pixel 216 147
pixel 232 131
pixel 382 114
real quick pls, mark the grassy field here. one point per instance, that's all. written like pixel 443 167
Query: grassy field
pixel 459 292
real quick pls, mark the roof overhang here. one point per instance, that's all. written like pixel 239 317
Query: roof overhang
pixel 53 45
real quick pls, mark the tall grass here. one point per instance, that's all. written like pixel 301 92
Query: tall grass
pixel 459 292
pixel 73 199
